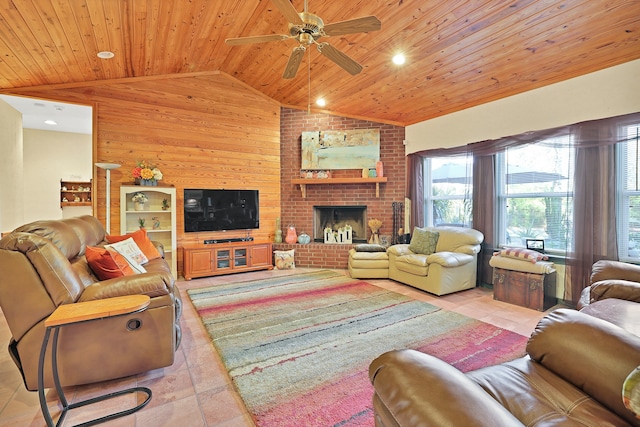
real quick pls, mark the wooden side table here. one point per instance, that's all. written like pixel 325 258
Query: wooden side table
pixel 85 312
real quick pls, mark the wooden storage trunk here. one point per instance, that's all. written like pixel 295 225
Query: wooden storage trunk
pixel 531 290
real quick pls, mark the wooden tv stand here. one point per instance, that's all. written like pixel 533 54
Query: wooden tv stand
pixel 202 260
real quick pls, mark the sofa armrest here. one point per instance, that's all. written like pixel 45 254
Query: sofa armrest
pixel 592 354
pixel 469 249
pixel 151 284
pixel 416 388
pixel 606 270
pixel 449 259
pixel 399 250
pixel 615 288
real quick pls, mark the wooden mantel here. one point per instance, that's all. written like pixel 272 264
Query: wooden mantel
pixel 303 182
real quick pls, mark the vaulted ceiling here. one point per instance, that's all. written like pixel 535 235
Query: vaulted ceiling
pixel 459 53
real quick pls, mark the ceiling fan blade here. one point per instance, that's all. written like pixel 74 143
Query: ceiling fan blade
pixel 351 66
pixel 286 8
pixel 256 39
pixel 294 62
pixel 350 26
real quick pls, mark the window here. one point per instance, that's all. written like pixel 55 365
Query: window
pixel 535 196
pixel 629 194
pixel 534 193
pixel 448 191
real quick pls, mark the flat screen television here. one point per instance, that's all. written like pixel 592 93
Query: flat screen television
pixel 220 210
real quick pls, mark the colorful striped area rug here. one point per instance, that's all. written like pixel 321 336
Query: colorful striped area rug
pixel 298 347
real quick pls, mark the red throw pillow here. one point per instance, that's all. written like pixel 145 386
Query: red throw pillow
pixel 107 264
pixel 142 240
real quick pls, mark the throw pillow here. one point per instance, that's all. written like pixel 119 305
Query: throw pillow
pixel 107 264
pixel 523 254
pixel 423 241
pixel 631 392
pixel 284 259
pixel 142 240
pixel 366 247
pixel 131 252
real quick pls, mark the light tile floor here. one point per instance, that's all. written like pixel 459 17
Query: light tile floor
pixel 196 390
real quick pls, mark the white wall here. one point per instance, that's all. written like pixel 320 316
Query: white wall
pixel 11 175
pixel 606 93
pixel 48 158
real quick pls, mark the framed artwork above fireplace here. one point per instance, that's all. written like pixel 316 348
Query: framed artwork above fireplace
pixel 343 149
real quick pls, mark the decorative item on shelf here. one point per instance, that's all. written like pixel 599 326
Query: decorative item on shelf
pixel 379 169
pixel 156 223
pixel 292 236
pixel 345 235
pixel 342 236
pixel 278 237
pixel 374 225
pixel 372 173
pixel 146 174
pixel 365 172
pixel 304 238
pixel 165 204
pixel 322 174
pixel 76 198
pixel 306 174
pixel 141 222
pixel 139 199
pixel 330 236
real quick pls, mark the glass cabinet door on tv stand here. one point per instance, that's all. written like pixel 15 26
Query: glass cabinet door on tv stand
pixel 158 214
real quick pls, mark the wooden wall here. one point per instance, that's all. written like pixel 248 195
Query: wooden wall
pixel 204 130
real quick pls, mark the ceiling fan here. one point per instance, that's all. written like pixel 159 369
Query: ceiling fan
pixel 307 28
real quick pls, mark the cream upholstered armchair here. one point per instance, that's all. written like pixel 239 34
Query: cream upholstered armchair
pixel 439 260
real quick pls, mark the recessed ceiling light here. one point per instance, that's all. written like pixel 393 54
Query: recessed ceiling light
pixel 50 122
pixel 321 102
pixel 105 54
pixel 399 59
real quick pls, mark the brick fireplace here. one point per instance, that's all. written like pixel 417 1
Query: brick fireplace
pixel 299 211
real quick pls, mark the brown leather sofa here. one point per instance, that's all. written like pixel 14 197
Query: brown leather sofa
pixel 613 294
pixel 572 374
pixel 42 265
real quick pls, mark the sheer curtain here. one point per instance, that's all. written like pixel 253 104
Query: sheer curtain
pixel 415 190
pixel 484 211
pixel 594 230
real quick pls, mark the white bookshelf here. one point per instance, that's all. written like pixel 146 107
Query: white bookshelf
pixel 166 233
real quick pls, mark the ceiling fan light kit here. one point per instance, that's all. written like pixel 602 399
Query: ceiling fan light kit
pixel 307 28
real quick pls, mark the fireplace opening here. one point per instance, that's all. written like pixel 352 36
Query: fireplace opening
pixel 335 217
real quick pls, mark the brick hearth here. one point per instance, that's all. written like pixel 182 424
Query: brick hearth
pixel 299 212
pixel 318 255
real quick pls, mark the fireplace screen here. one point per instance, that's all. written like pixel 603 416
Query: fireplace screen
pixel 335 217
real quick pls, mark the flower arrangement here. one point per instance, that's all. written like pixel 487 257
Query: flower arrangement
pixel 374 225
pixel 141 222
pixel 139 198
pixel 146 171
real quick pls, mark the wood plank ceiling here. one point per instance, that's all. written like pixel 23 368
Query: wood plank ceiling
pixel 459 53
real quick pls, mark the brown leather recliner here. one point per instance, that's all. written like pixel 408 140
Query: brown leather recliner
pixel 573 375
pixel 42 266
pixel 613 294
